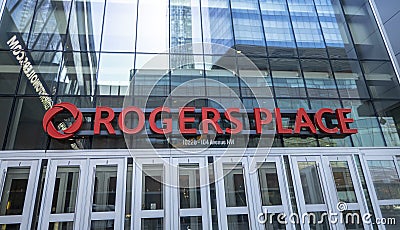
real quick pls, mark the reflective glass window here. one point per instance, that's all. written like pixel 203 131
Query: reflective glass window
pixel 249 36
pixel 85 23
pixel 153 26
pixel 5 104
pixel 349 79
pixel 217 26
pixel 78 73
pixel 49 27
pixel 9 72
pixel 238 222
pixel 306 28
pixel 364 30
pixel 115 73
pixel 381 79
pixel 46 67
pixel 319 79
pixel 389 112
pixel 369 133
pixel 119 30
pixel 385 178
pixel 343 181
pixel 287 78
pixel 185 26
pixel 278 28
pixel 27 115
pixel 16 20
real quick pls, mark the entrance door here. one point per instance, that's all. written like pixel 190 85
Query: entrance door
pixel 172 193
pixel 84 194
pixel 18 180
pixel 191 186
pixel 233 187
pixel 326 185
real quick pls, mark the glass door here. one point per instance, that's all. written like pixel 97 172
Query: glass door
pixel 65 183
pixel 346 192
pixel 105 206
pixel 150 199
pixel 310 188
pixel 191 186
pixel 328 192
pixel 270 192
pixel 18 180
pixel 232 191
pixel 84 194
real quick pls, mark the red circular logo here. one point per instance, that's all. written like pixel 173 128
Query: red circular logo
pixel 48 125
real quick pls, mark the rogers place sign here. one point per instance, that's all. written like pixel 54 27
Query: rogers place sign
pixel 262 116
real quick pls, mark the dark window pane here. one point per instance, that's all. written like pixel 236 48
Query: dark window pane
pixel 14 191
pixel 349 79
pixel 287 78
pixel 389 119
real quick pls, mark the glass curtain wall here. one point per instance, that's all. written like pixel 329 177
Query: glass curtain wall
pixel 313 54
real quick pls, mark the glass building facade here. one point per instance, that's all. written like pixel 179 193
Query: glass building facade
pixel 311 54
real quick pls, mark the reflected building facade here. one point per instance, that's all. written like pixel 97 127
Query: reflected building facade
pixel 311 54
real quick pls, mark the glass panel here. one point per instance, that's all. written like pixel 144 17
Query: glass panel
pixel 153 14
pixel 119 26
pixel 317 221
pixel 278 28
pixel 269 184
pixel 78 73
pixel 369 133
pixel 343 182
pixel 152 188
pixel 364 30
pixel 50 25
pixel 102 225
pixel 389 115
pixel 61 226
pixel 310 182
pixel 217 25
pixel 65 190
pixel 14 191
pixel 247 26
pixel 115 73
pixel 319 79
pixel 306 28
pixel 9 73
pixel 105 188
pixel 392 215
pixel 235 193
pixel 152 224
pixel 5 105
pixel 16 20
pixel 333 24
pixel 385 178
pixel 84 26
pixel 381 79
pixel 238 222
pixel 349 79
pixel 299 141
pixel 192 223
pixel 189 186
pixel 287 78
pixel 185 26
pixel 46 67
